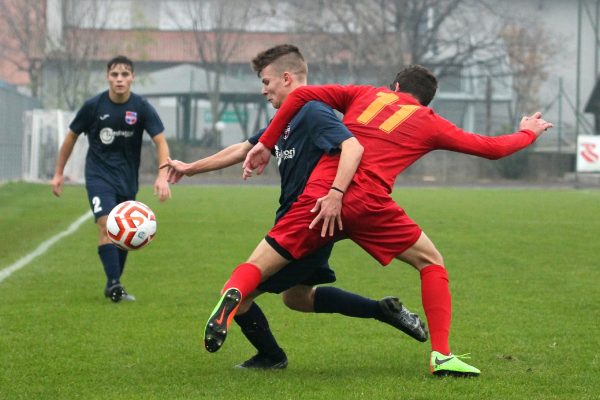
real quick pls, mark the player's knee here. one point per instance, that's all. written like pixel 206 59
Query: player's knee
pixel 244 306
pixel 426 259
pixel 292 302
pixel 435 258
pixel 298 301
pixel 102 233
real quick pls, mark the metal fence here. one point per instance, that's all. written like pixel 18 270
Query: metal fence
pixel 29 152
pixel 12 107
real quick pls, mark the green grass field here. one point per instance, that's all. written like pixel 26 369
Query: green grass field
pixel 524 275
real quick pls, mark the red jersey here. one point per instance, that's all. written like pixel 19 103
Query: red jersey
pixel 394 129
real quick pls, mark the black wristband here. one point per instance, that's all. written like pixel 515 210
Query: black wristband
pixel 337 189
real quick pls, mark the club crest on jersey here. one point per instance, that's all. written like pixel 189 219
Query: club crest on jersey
pixel 130 117
pixel 287 131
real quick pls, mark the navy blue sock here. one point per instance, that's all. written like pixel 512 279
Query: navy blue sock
pixel 122 259
pixel 255 327
pixel 109 255
pixel 330 299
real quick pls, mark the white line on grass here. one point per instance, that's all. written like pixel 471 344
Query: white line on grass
pixel 42 248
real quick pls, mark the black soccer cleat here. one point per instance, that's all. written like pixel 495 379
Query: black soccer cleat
pixel 261 361
pixel 395 314
pixel 118 293
pixel 215 331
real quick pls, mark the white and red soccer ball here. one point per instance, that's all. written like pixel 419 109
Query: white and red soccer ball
pixel 131 225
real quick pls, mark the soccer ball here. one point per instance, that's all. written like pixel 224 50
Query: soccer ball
pixel 131 225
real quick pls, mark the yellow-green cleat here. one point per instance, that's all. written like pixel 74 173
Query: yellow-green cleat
pixel 441 365
pixel 217 325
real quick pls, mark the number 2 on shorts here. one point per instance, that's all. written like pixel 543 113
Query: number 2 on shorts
pixel 96 203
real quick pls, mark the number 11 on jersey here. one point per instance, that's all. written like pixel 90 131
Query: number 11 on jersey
pixel 384 99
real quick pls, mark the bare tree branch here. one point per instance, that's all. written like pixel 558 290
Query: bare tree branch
pixel 218 26
pixel 23 22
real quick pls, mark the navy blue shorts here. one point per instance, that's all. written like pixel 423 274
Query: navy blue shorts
pixel 103 198
pixel 311 270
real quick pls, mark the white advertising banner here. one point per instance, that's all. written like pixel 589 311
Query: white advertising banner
pixel 588 153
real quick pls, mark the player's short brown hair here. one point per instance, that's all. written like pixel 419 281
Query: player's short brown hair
pixel 417 81
pixel 285 58
pixel 119 60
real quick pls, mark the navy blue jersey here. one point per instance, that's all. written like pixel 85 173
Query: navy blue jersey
pixel 313 131
pixel 114 133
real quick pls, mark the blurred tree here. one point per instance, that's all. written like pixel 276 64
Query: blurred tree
pixel 375 39
pixel 530 50
pixel 369 41
pixel 44 39
pixel 23 27
pixel 72 48
pixel 218 27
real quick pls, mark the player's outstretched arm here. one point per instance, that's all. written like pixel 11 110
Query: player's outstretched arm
pixel 329 207
pixel 337 96
pixel 161 184
pixel 450 137
pixel 63 156
pixel 227 157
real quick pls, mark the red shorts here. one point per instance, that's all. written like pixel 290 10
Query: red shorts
pixel 372 220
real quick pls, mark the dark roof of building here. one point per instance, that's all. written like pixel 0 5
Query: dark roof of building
pixel 593 104
pixel 180 46
pixel 191 80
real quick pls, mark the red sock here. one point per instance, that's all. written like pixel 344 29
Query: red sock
pixel 245 278
pixel 435 294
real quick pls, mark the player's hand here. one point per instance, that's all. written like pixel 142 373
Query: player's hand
pixel 535 123
pixel 330 212
pixel 247 173
pixel 256 160
pixel 57 183
pixel 161 188
pixel 175 170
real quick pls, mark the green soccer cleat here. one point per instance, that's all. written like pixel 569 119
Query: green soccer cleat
pixel 215 331
pixel 441 365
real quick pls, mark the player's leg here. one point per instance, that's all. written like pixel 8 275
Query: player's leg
pixel 255 327
pixel 123 253
pixel 244 280
pixel 332 300
pixel 102 200
pixel 383 229
pixel 296 282
pixel 108 253
pixel 437 303
pixel 254 323
pixel 290 238
pixel 122 259
pixel 270 355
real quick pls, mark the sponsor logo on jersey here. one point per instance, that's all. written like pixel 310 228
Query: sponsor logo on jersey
pixel 287 131
pixel 130 117
pixel 281 155
pixel 103 117
pixel 107 135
